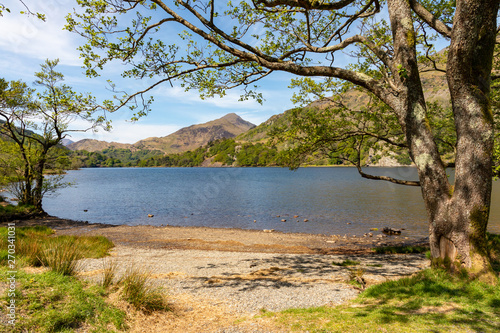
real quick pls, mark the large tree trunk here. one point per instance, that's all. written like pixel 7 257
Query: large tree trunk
pixel 458 215
pixel 458 229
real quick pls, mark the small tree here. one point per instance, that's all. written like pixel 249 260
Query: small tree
pixel 38 121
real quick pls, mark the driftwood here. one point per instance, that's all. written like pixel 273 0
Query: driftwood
pixel 391 231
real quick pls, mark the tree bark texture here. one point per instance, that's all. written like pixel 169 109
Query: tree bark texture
pixel 458 231
pixel 458 215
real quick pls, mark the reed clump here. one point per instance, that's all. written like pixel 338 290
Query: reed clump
pixel 138 289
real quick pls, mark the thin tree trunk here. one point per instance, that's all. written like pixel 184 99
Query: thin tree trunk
pixel 39 180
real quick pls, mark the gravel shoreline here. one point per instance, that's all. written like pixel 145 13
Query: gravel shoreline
pixel 248 282
pixel 219 280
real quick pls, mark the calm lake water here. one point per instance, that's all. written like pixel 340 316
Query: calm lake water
pixel 334 200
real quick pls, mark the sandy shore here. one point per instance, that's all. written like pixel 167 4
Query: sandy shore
pixel 218 280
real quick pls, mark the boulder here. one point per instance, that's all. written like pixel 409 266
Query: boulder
pixel 391 231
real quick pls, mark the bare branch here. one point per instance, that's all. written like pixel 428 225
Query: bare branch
pixel 386 178
pixel 430 19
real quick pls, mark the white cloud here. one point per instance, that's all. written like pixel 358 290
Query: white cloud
pixel 24 35
pixel 230 101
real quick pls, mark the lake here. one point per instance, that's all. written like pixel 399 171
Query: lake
pixel 334 200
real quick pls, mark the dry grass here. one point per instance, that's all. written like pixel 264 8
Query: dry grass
pixel 138 290
pixel 109 268
pixel 189 314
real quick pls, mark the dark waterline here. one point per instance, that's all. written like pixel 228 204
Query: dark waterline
pixel 334 200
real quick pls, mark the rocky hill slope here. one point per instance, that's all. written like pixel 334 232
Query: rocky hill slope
pixel 187 138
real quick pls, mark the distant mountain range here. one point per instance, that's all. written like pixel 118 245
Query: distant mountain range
pixel 233 126
pixel 187 138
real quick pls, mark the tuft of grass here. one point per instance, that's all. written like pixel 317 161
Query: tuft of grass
pixel 346 262
pixel 356 277
pixel 401 249
pixel 140 292
pixel 374 265
pixel 109 268
pixel 93 246
pixel 61 255
pixel 30 251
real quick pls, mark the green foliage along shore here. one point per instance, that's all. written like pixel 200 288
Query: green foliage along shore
pixel 223 152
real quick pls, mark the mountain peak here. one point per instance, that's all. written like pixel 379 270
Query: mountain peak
pixel 237 121
pixel 231 116
pixel 187 138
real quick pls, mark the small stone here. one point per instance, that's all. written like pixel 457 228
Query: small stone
pixel 348 223
pixel 268 230
pixel 85 210
pixel 278 215
pixel 380 236
pixel 283 220
pixel 306 220
pixel 370 234
pixel 295 216
pixel 254 221
pixel 150 215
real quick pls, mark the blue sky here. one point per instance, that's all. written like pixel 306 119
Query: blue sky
pixel 26 42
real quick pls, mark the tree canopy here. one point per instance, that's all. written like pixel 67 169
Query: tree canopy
pixel 35 122
pixel 388 43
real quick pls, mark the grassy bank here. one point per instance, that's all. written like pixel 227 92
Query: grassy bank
pixel 49 297
pixel 430 301
pixel 10 212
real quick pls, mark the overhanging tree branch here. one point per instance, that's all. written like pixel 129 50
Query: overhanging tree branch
pixel 384 178
pixel 305 4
